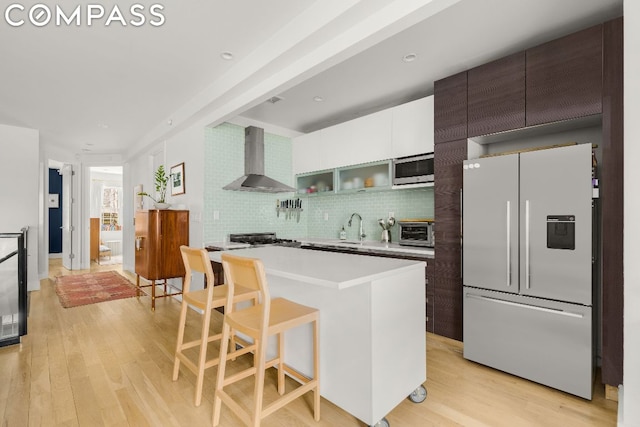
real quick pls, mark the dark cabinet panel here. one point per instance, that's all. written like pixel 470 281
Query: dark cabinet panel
pixel 447 310
pixel 564 77
pixel 612 202
pixel 496 96
pixel 430 284
pixel 450 108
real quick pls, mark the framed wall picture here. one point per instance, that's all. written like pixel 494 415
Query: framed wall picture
pixel 177 179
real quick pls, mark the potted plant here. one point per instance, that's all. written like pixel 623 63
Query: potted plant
pixel 161 180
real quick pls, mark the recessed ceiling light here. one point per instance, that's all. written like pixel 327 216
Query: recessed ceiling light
pixel 227 56
pixel 169 122
pixel 318 98
pixel 410 57
pixel 103 126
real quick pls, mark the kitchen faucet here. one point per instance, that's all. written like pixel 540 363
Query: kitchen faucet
pixel 361 233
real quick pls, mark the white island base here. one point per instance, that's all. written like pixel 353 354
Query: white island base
pixel 372 324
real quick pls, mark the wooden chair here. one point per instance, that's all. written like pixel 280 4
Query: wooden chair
pixel 206 300
pixel 104 251
pixel 259 322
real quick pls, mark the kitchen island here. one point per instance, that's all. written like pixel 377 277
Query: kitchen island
pixel 372 338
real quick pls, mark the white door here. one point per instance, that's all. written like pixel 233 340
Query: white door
pixel 67 216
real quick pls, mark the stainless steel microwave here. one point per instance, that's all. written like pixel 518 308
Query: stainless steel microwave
pixel 417 233
pixel 413 169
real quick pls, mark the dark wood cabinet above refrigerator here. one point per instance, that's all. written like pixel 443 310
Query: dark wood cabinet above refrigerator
pixel 564 78
pixel 496 96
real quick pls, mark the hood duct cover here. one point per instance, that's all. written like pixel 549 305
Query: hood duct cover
pixel 254 178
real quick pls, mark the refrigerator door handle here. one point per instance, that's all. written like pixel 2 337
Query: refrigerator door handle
pixel 526 244
pixel 508 243
pixel 526 306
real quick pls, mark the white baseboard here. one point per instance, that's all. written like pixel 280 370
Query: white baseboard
pixel 620 405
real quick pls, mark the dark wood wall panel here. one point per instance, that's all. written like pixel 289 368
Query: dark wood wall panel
pixel 612 197
pixel 431 279
pixel 564 77
pixel 450 108
pixel 496 96
pixel 448 284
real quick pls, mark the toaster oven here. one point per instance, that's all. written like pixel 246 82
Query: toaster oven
pixel 417 233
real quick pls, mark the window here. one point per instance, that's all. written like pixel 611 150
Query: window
pixel 110 207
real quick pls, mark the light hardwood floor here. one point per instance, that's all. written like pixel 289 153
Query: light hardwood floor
pixel 111 364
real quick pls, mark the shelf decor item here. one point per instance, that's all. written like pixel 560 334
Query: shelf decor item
pixel 161 180
pixel 177 179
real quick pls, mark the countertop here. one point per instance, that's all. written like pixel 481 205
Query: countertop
pixel 369 246
pixel 328 269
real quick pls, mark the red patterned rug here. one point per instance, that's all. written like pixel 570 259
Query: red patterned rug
pixel 90 288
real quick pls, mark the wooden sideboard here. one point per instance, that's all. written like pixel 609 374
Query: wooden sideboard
pixel 159 235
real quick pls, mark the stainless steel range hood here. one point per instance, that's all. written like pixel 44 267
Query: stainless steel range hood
pixel 254 178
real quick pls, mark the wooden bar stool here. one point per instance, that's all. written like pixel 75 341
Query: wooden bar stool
pixel 269 317
pixel 206 300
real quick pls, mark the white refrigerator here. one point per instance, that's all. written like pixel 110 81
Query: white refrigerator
pixel 527 266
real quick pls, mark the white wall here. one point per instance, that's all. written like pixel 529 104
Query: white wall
pixel 630 407
pixel 187 146
pixel 21 205
pixel 135 171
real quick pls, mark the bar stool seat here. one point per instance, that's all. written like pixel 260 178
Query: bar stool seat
pixel 206 300
pixel 259 322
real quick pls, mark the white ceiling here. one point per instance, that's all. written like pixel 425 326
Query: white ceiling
pixel 118 89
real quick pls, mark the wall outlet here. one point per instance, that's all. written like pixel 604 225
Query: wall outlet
pixel 216 215
pixel 391 214
pixel 326 216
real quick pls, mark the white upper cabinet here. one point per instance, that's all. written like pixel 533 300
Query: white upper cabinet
pixel 412 128
pixel 338 140
pixel 308 153
pixel 362 140
pixel 395 132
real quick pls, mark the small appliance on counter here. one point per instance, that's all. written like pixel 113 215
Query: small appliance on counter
pixel 417 232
